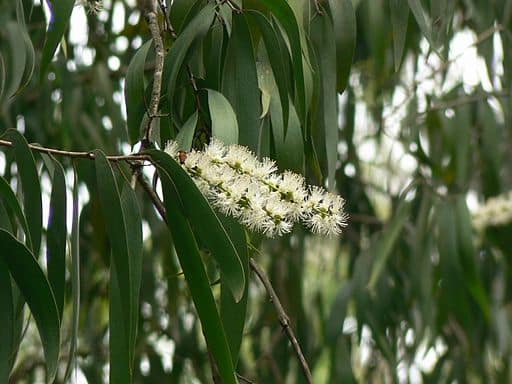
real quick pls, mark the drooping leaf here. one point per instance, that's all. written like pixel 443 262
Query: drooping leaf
pixel 12 203
pixel 185 136
pixel 224 124
pixel 134 92
pixel 197 28
pixel 37 292
pixel 32 202
pixel 17 55
pixel 421 18
pixel 344 32
pixel 325 133
pixel 60 13
pixel 240 82
pixel 117 230
pixel 399 21
pixel 275 59
pixel 7 319
pixel 29 48
pixel 197 279
pixel 75 280
pixel 205 223
pixel 282 11
pixel 56 237
pixel 232 312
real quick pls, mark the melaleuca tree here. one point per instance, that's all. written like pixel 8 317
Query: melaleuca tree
pixel 175 177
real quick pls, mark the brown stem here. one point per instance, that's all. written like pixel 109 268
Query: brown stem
pixel 283 318
pixel 83 155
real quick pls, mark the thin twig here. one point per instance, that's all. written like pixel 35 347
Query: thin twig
pixel 466 99
pixel 153 196
pixel 83 155
pixel 152 20
pixel 283 318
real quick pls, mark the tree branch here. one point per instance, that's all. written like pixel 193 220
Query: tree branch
pixel 283 318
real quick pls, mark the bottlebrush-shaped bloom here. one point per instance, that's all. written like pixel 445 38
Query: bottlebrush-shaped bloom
pixel 240 185
pixel 495 212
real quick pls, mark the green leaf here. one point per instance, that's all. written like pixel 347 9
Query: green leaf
pixel 185 136
pixel 56 237
pixel 32 202
pixel 75 279
pixel 37 292
pixel 344 32
pixel 59 19
pixel 197 279
pixel 7 319
pixel 399 21
pixel 338 312
pixel 240 83
pixel 421 19
pixel 2 75
pixel 205 223
pixel 134 92
pixel 224 125
pixel 174 59
pixel 18 56
pixel 325 133
pixel 233 313
pixel 384 245
pixel 12 203
pixel 275 58
pixel 121 241
pixel 284 14
pixel 29 48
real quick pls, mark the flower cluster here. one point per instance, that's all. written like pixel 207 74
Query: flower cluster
pixel 92 6
pixel 240 185
pixel 495 212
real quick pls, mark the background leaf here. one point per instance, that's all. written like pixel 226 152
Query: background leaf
pixel 224 124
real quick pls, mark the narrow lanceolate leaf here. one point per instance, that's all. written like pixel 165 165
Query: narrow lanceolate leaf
pixel 205 223
pixel 421 18
pixel 399 21
pixel 240 82
pixel 133 222
pixel 27 44
pixel 344 23
pixel 7 319
pixel 60 13
pixel 117 230
pixel 32 203
pixel 224 125
pixel 2 76
pixel 56 237
pixel 193 269
pixel 326 131
pixel 10 201
pixel 134 92
pixel 75 280
pixel 185 136
pixel 197 28
pixel 15 65
pixel 284 14
pixel 37 292
pixel 275 58
pixel 233 313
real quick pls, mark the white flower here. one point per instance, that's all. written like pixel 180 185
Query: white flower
pixel 495 212
pixel 250 190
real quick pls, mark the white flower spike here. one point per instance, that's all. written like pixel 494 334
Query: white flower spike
pixel 250 190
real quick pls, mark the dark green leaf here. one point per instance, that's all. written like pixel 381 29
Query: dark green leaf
pixel 233 313
pixel 134 92
pixel 240 83
pixel 284 14
pixel 29 48
pixel 75 280
pixel 344 32
pixel 32 203
pixel 421 19
pixel 205 223
pixel 117 230
pixel 197 279
pixel 185 136
pixel 399 21
pixel 7 319
pixel 18 56
pixel 37 292
pixel 338 312
pixel 275 59
pixel 12 203
pixel 224 125
pixel 59 19
pixel 56 237
pixel 197 28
